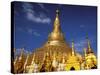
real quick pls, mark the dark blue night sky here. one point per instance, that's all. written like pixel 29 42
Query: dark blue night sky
pixel 34 21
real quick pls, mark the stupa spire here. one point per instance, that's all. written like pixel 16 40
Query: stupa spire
pixel 26 61
pixel 85 54
pixel 73 50
pixel 21 55
pixel 33 59
pixel 15 60
pixel 56 36
pixel 57 22
pixel 89 46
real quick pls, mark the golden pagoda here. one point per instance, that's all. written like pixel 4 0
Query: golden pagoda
pixel 73 62
pixel 55 43
pixel 55 55
pixel 89 57
pixel 19 62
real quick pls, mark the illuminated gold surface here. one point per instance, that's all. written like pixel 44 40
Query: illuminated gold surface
pixel 55 55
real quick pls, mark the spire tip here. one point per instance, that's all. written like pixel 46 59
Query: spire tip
pixel 57 11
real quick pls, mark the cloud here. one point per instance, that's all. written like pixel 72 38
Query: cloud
pixel 33 32
pixel 34 16
pixel 37 19
pixel 36 33
pixel 43 7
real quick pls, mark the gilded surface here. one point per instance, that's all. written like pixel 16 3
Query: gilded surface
pixel 55 55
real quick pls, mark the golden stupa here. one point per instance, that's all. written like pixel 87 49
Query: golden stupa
pixel 55 43
pixel 55 55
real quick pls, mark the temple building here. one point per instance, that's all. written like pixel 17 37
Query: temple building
pixel 89 57
pixel 55 55
pixel 73 62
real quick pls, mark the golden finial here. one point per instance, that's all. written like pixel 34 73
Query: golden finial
pixel 27 57
pixel 26 61
pixel 57 12
pixel 22 50
pixel 15 60
pixel 88 42
pixel 73 51
pixel 56 35
pixel 33 59
pixel 34 56
pixel 57 22
pixel 89 47
pixel 85 54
